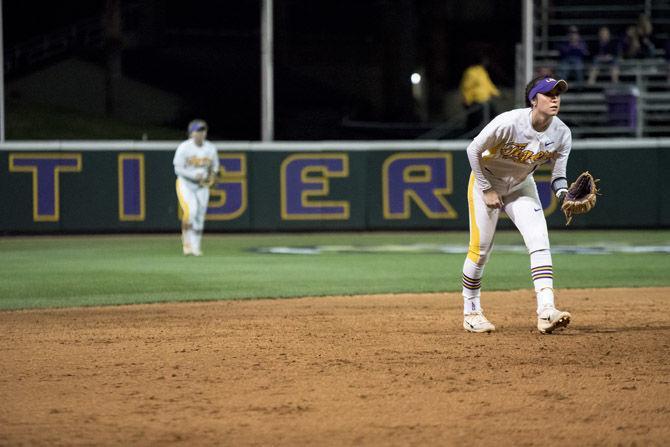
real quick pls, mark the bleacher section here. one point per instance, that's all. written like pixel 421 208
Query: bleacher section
pixel 639 104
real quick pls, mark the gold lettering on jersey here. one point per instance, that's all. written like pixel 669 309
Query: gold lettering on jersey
pixel 198 162
pixel 519 153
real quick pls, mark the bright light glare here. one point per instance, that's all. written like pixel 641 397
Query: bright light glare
pixel 415 78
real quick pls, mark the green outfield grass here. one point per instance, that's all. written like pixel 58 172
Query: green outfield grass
pixel 106 270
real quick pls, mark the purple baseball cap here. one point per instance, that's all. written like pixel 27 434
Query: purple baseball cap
pixel 197 125
pixel 546 85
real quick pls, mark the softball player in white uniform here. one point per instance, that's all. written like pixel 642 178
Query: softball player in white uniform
pixel 194 160
pixel 503 158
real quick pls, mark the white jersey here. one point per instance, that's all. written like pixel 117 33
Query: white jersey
pixel 508 150
pixel 192 162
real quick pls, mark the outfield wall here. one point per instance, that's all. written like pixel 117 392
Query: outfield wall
pixel 129 186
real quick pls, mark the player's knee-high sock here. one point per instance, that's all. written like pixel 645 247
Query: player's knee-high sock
pixel 193 240
pixel 188 238
pixel 542 272
pixel 472 283
pixel 197 237
pixel 185 238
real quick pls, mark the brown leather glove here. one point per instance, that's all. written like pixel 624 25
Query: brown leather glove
pixel 581 196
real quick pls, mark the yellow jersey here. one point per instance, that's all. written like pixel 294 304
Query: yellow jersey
pixel 476 85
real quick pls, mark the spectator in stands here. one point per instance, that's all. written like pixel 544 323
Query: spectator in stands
pixel 477 92
pixel 644 32
pixel 572 55
pixel 630 44
pixel 547 72
pixel 606 56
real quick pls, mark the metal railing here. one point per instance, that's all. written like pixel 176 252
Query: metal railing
pixel 87 33
pixel 638 105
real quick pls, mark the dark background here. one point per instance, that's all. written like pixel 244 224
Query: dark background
pixel 342 67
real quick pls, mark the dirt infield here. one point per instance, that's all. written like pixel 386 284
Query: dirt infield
pixel 375 370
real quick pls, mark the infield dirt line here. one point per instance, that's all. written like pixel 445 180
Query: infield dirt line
pixel 354 370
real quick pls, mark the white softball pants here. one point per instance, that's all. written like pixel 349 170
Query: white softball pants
pixel 521 203
pixel 193 200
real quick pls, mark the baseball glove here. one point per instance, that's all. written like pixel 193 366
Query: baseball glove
pixel 581 196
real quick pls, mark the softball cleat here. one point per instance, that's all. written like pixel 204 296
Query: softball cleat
pixel 477 322
pixel 551 319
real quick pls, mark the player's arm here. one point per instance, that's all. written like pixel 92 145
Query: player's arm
pixel 492 135
pixel 212 169
pixel 216 164
pixel 559 181
pixel 193 174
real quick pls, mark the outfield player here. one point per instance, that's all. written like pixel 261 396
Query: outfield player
pixel 195 162
pixel 503 158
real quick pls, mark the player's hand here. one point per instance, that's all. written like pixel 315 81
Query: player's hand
pixel 560 194
pixel 493 199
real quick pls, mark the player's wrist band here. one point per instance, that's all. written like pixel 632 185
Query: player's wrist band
pixel 559 183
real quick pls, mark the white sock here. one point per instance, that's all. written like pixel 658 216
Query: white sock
pixel 542 270
pixel 190 238
pixel 545 298
pixel 196 238
pixel 472 280
pixel 185 239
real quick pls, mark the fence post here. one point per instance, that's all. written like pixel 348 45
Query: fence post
pixel 545 25
pixel 2 82
pixel 639 117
